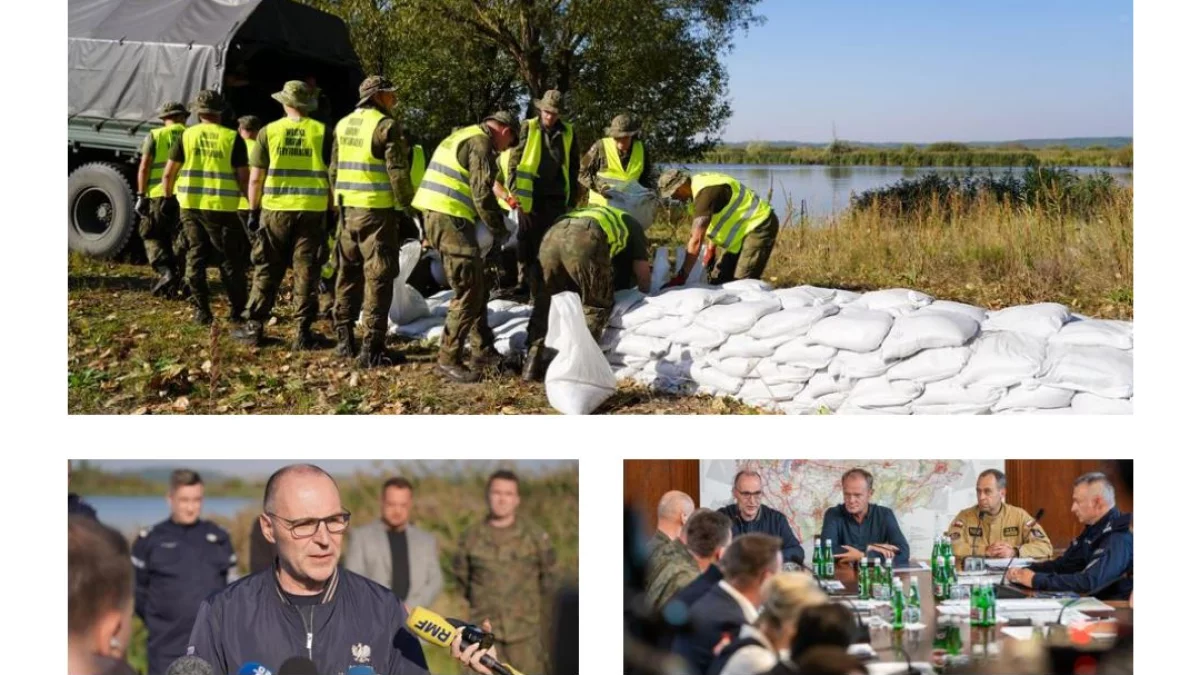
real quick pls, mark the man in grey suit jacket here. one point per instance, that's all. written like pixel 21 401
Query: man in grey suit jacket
pixel 395 554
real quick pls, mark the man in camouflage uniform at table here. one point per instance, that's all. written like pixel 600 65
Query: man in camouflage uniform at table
pixel 506 568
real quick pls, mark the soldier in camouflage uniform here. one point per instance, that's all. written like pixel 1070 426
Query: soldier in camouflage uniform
pixel 590 251
pixel 675 564
pixel 622 142
pixel 159 226
pixel 505 566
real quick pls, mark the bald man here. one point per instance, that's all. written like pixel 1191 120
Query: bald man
pixel 345 620
pixel 674 508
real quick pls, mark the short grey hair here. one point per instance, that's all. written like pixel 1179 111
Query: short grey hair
pixel 1106 486
pixel 745 472
pixel 1001 479
pixel 863 474
pixel 674 502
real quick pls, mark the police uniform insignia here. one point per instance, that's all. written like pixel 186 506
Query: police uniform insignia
pixel 1037 532
pixel 1012 531
pixel 361 652
pixel 975 531
pixel 212 538
pixel 955 535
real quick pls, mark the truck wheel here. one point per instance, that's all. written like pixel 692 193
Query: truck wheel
pixel 100 216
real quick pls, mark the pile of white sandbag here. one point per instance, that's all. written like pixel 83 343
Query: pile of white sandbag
pixel 811 350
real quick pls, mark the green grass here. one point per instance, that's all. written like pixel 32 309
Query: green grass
pixel 841 153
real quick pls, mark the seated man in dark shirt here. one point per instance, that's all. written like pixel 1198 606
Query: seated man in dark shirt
pixel 859 529
pixel 749 514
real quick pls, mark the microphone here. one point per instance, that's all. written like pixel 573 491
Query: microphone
pixel 189 665
pixel 254 668
pixel 436 629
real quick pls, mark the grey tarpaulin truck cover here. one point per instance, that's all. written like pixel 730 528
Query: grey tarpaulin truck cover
pixel 126 57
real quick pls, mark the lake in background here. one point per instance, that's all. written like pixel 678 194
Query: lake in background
pixel 130 514
pixel 827 189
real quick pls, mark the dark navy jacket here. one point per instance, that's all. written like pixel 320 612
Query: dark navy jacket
pixel 688 595
pixel 879 527
pixel 1098 562
pixel 715 615
pixel 358 623
pixel 76 506
pixel 177 566
pixel 769 521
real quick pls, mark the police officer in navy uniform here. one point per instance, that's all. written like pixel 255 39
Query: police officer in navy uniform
pixel 179 562
pixel 1098 562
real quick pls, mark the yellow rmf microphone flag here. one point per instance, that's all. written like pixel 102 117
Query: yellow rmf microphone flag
pixel 430 627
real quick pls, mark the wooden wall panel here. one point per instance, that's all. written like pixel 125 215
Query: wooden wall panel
pixel 1047 484
pixel 647 480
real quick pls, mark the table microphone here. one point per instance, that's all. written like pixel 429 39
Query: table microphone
pixel 436 629
pixel 189 665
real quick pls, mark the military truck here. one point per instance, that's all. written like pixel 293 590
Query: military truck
pixel 126 57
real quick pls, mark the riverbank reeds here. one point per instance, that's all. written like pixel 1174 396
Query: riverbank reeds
pixel 841 153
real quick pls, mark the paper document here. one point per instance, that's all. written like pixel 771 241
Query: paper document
pixel 1001 563
pixel 832 585
pixel 912 566
pixel 1090 605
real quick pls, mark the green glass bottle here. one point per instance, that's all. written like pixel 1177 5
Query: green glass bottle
pixel 829 560
pixel 864 580
pixel 914 592
pixel 818 565
pixel 897 604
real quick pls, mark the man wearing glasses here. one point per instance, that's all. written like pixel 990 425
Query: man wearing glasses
pixel 749 514
pixel 305 605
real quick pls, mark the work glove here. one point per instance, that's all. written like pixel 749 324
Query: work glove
pixel 710 254
pixel 142 206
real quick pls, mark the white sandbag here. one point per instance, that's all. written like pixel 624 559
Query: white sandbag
pixel 632 344
pixel 930 365
pixel 1034 396
pixel 625 300
pixel 802 352
pixel 979 314
pixel 747 285
pixel 773 373
pixel 699 337
pixel 512 342
pixel 951 398
pixel 503 305
pixel 823 405
pixel 634 199
pixel 910 334
pixel 415 330
pixel 579 378
pixel 688 301
pixel 708 376
pixel 1095 333
pixel 822 384
pixel 857 330
pixel 734 366
pixel 408 304
pixel 744 345
pixel 434 334
pixel 511 326
pixel 1090 404
pixel 880 392
pixel 638 315
pixel 756 391
pixel 857 366
pixel 791 322
pixel 660 270
pixel 439 303
pixel 1003 358
pixel 623 373
pixel 697 275
pixel 1040 320
pixel 738 317
pixel 894 301
pixel 663 327
pixel 1103 371
pixel 805 296
pixel 848 409
pixel 626 360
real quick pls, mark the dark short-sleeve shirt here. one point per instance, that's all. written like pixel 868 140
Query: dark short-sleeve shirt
pixel 711 200
pixel 398 542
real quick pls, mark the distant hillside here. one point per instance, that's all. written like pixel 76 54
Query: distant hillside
pixel 1031 143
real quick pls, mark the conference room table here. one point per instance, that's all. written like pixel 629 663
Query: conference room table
pixel 976 642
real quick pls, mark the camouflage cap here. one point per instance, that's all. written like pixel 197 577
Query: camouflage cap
pixel 373 85
pixel 670 180
pixel 208 102
pixel 623 126
pixel 249 123
pixel 504 117
pixel 296 94
pixel 551 102
pixel 172 109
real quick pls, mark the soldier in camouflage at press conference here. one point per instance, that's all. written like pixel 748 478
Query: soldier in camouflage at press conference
pixel 506 568
pixel 210 163
pixel 291 211
pixel 159 224
pixel 370 177
pixel 590 251
pixel 455 192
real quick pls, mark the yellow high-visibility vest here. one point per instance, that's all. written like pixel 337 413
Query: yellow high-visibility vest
pixel 362 180
pixel 207 181
pixel 611 220
pixel 744 212
pixel 446 186
pixel 417 170
pixel 297 178
pixel 532 156
pixel 164 139
pixel 614 172
pixel 244 202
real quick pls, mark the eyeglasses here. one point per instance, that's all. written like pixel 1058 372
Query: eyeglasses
pixel 750 495
pixel 304 528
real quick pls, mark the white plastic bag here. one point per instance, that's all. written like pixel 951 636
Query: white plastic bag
pixel 931 365
pixel 805 296
pixel 408 304
pixel 1103 371
pixel 1040 320
pixel 910 334
pixel 579 378
pixel 1095 333
pixel 859 330
pixel 1004 358
pixel 660 270
pixel 634 199
pixel 696 276
pixel 416 330
pixel 708 376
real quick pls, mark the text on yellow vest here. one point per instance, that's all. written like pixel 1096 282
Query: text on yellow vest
pixel 362 180
pixel 207 181
pixel 297 178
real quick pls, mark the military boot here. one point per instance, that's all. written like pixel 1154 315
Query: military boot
pixel 346 344
pixel 374 352
pixel 166 284
pixel 534 369
pixel 202 315
pixel 456 372
pixel 249 333
pixel 305 339
pixel 487 361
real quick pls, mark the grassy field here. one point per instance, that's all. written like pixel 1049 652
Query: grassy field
pixel 444 506
pixel 936 154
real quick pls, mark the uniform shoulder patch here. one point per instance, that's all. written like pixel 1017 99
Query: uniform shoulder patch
pixel 956 535
pixel 1037 532
pixel 958 523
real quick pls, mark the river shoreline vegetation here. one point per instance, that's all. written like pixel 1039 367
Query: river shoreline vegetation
pixel 943 154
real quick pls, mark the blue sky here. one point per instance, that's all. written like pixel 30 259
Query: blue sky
pixel 923 71
pixel 264 467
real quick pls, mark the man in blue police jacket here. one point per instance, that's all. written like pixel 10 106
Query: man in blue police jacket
pixel 305 605
pixel 178 563
pixel 1098 562
pixel 749 514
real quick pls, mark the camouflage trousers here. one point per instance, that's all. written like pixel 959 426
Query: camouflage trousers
pixel 529 243
pixel 211 235
pixel 368 251
pixel 454 240
pixel 162 235
pixel 751 261
pixel 527 656
pixel 574 257
pixel 287 239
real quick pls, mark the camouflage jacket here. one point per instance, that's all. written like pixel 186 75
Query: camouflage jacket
pixel 508 578
pixel 670 568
